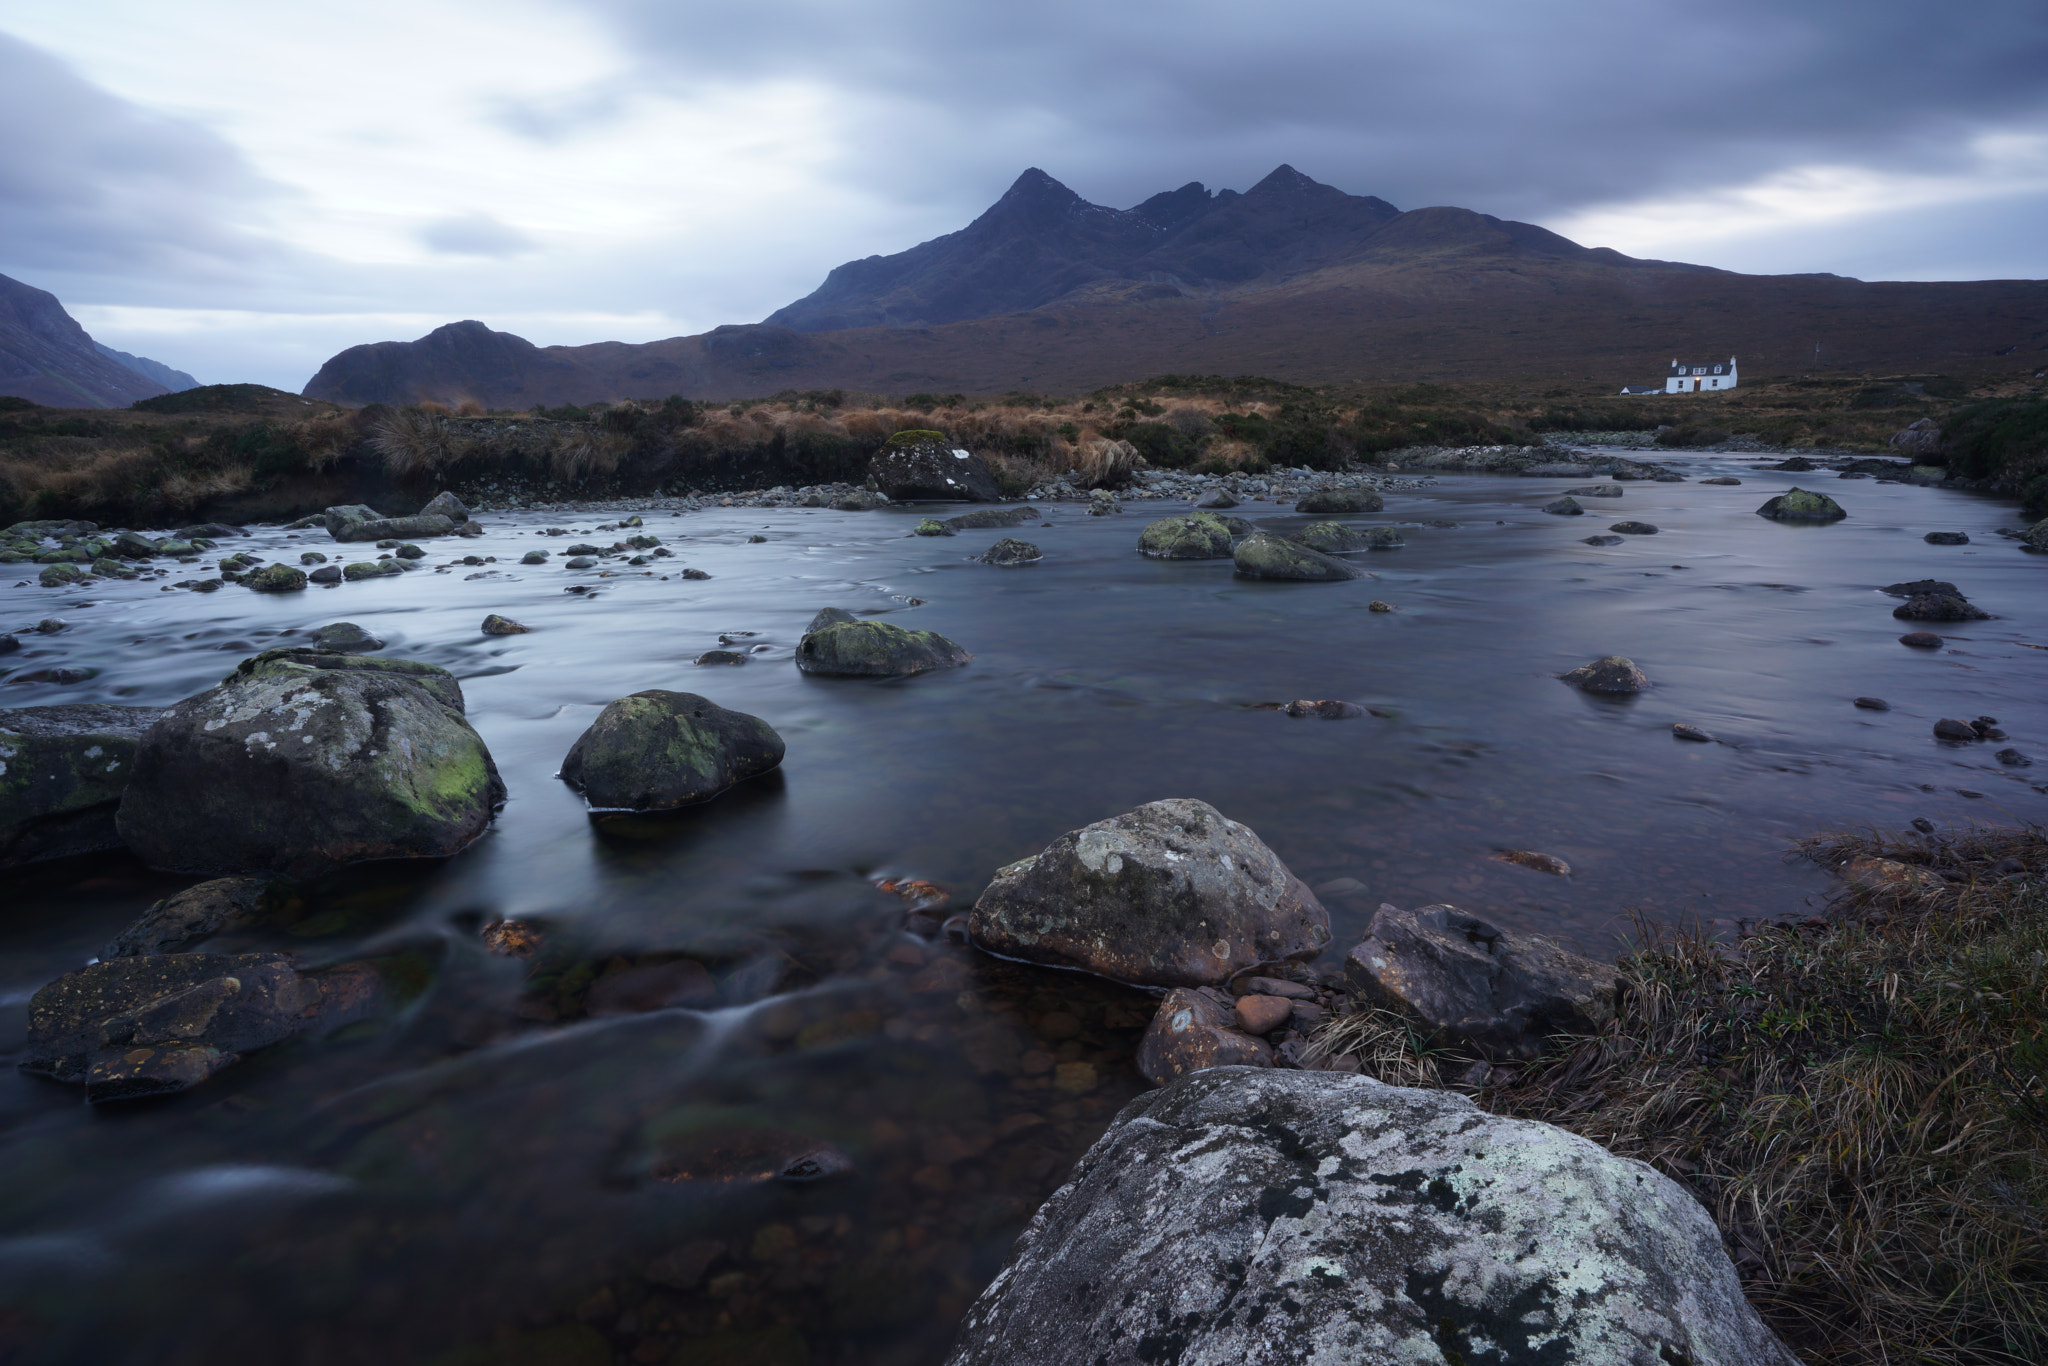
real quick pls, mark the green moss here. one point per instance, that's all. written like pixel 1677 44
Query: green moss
pixel 916 436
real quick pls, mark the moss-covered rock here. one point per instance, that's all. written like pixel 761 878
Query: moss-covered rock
pixel 2036 537
pixel 994 517
pixel 1342 500
pixel 276 578
pixel 58 575
pixel 62 770
pixel 1332 538
pixel 1194 537
pixel 370 569
pixel 1800 505
pixel 1012 551
pixel 1263 555
pixel 838 644
pixel 396 528
pixel 931 526
pixel 657 750
pixel 1611 674
pixel 302 761
pixel 111 569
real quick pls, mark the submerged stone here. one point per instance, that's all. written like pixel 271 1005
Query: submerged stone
pixel 1613 674
pixel 873 649
pixel 62 771
pixel 1263 555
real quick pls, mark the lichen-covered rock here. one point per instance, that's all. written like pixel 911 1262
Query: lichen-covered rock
pixel 1332 538
pixel 1799 505
pixel 495 625
pixel 840 645
pixel 1012 551
pixel 337 519
pixel 59 575
pixel 1385 538
pixel 445 505
pixel 1263 555
pixel 1342 500
pixel 197 913
pixel 1271 1218
pixel 397 528
pixel 369 569
pixel 62 770
pixel 1612 674
pixel 658 750
pixel 345 637
pixel 1193 1030
pixel 150 1025
pixel 276 578
pixel 1467 983
pixel 932 526
pixel 1939 607
pixel 1022 515
pixel 302 761
pixel 923 465
pixel 1172 894
pixel 1195 537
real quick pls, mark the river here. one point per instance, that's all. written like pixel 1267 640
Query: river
pixel 485 1175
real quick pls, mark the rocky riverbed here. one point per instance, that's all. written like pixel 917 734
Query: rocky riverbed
pixel 741 1080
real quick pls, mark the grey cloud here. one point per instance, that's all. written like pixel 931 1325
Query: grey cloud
pixel 91 185
pixel 475 234
pixel 1525 109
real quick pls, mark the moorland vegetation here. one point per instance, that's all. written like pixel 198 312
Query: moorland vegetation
pixel 244 451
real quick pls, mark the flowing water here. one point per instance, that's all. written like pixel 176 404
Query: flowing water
pixel 493 1174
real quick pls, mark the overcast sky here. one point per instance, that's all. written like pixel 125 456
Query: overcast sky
pixel 242 189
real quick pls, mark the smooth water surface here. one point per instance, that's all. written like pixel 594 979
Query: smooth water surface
pixel 491 1175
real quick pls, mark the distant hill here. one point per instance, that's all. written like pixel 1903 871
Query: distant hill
pixel 1291 279
pixel 175 380
pixel 46 357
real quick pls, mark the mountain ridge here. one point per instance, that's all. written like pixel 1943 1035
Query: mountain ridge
pixel 47 358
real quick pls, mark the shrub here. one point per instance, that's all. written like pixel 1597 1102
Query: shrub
pixel 1159 443
pixel 1692 436
pixel 1984 439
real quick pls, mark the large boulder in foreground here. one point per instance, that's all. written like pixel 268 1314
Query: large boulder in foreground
pixel 1263 555
pixel 1195 537
pixel 1271 1218
pixel 62 770
pixel 302 761
pixel 657 750
pixel 1342 500
pixel 922 466
pixel 1469 984
pixel 1799 505
pixel 1172 894
pixel 840 644
pixel 150 1025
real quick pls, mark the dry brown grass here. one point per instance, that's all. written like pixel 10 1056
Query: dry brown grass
pixel 1862 1101
pixel 417 441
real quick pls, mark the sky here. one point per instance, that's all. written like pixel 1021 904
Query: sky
pixel 242 190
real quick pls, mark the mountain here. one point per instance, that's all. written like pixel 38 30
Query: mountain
pixel 177 381
pixel 1291 279
pixel 46 357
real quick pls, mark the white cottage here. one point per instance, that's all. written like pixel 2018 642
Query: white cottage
pixel 1693 379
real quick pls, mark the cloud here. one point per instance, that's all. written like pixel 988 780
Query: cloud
pixel 475 234
pixel 91 184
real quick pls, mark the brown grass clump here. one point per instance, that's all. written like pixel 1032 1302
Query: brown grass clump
pixel 1861 1100
pixel 1106 464
pixel 469 407
pixel 416 441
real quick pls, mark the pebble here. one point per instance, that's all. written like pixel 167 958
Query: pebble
pixel 1873 704
pixel 2012 758
pixel 1377 606
pixel 1921 640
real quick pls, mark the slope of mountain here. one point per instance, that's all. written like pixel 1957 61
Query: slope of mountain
pixel 177 381
pixel 1291 279
pixel 46 357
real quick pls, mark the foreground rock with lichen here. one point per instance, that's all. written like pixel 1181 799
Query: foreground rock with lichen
pixel 1263 1217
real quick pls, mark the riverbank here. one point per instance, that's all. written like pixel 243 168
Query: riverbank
pixel 1859 1097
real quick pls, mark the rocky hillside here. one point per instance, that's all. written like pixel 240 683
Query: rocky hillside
pixel 1291 279
pixel 177 381
pixel 46 357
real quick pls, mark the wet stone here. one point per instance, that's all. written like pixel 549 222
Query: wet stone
pixel 1634 529
pixel 1603 540
pixel 1946 538
pixel 1921 640
pixel 1193 1031
pixel 1873 704
pixel 1686 731
pixel 1613 674
pixel 495 625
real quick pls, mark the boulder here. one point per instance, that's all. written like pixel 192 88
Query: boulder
pixel 859 500
pixel 1797 464
pixel 1385 538
pixel 326 573
pixel 154 1024
pixel 276 578
pixel 1011 551
pixel 62 770
pixel 1221 498
pixel 1613 674
pixel 1470 985
pixel 199 912
pixel 658 750
pixel 397 528
pixel 1798 505
pixel 1566 506
pixel 1598 491
pixel 1949 728
pixel 1194 537
pixel 1263 555
pixel 1603 540
pixel 1332 538
pixel 131 545
pixel 930 526
pixel 495 625
pixel 840 645
pixel 1947 538
pixel 1724 479
pixel 1916 587
pixel 338 519
pixel 534 557
pixel 59 575
pixel 1342 500
pixel 366 569
pixel 1171 894
pixel 923 465
pixel 1193 1030
pixel 2036 536
pixel 1634 528
pixel 345 637
pixel 994 517
pixel 1939 607
pixel 1272 1217
pixel 445 505
pixel 1921 640
pixel 302 761
pixel 1921 438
